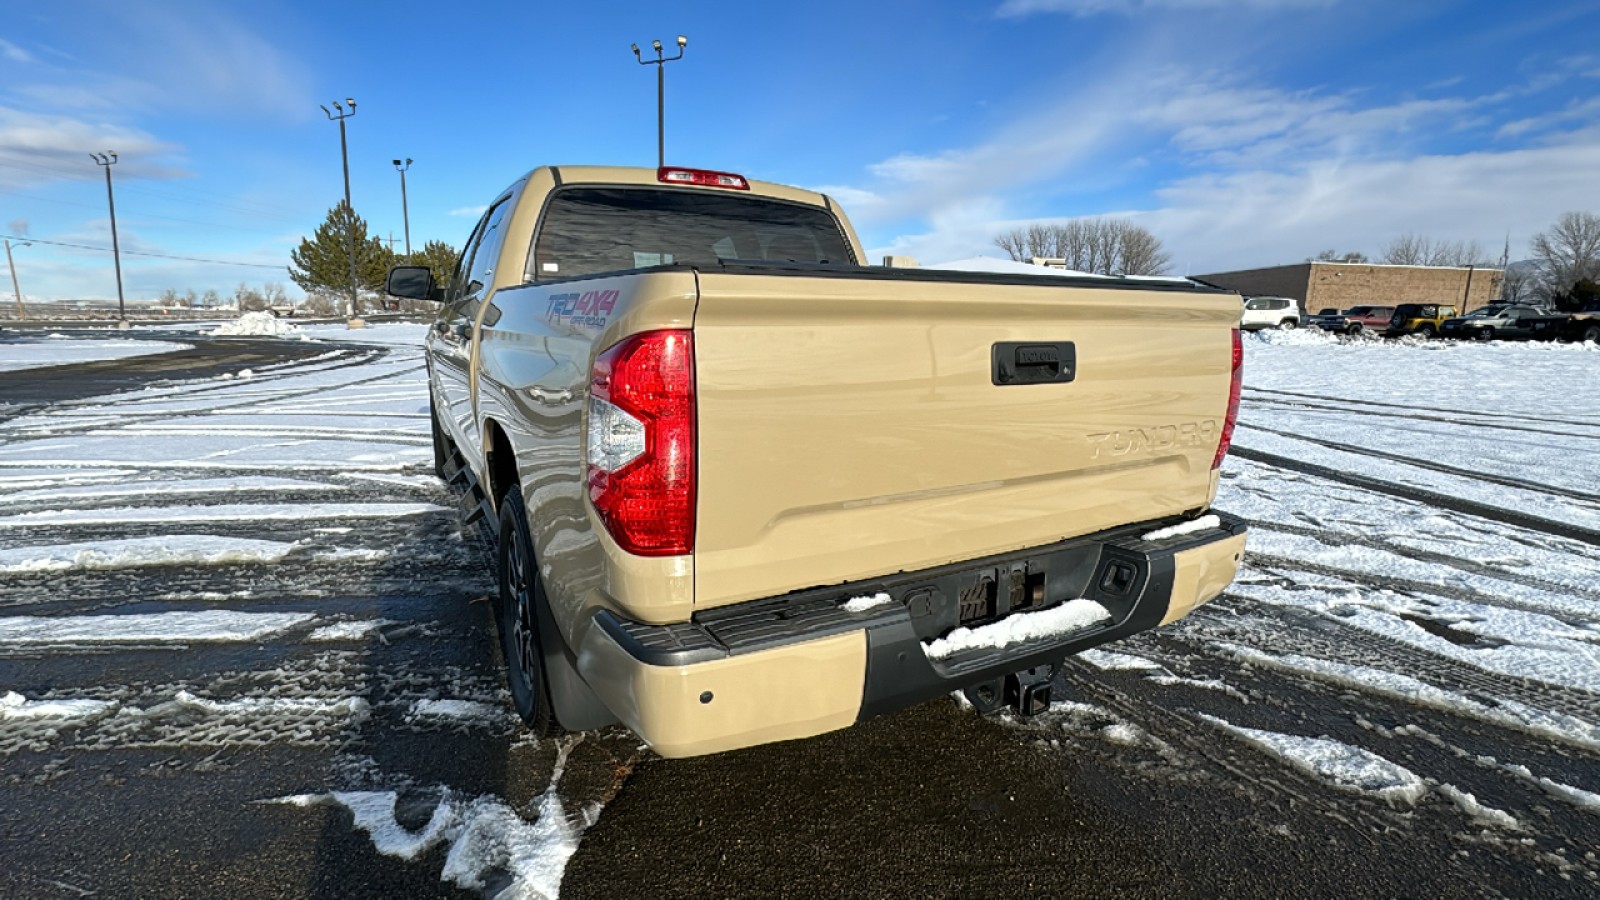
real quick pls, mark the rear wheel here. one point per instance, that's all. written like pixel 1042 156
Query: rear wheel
pixel 1288 324
pixel 1592 334
pixel 1355 328
pixel 521 594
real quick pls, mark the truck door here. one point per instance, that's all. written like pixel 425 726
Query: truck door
pixel 451 345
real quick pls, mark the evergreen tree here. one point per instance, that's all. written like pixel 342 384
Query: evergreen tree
pixel 438 257
pixel 322 262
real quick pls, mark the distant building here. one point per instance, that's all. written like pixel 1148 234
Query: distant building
pixel 900 262
pixel 1320 285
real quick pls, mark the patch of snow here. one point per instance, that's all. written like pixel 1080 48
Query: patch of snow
pixel 64 352
pixel 254 324
pixel 1069 617
pixel 486 836
pixel 1342 765
pixel 236 512
pixel 1579 797
pixel 1204 523
pixel 164 550
pixel 15 706
pixel 240 485
pixel 1499 711
pixel 1470 805
pixel 460 710
pixel 349 631
pixel 355 707
pixel 857 605
pixel 209 626
pixel 1107 660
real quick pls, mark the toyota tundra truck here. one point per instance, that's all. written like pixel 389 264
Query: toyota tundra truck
pixel 744 488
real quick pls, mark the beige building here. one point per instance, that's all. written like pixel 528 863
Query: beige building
pixel 1319 285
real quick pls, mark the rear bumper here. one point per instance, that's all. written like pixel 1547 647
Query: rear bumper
pixel 803 664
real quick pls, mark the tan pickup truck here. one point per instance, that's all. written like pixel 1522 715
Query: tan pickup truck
pixel 747 489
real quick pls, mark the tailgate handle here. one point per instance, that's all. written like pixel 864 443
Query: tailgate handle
pixel 1034 362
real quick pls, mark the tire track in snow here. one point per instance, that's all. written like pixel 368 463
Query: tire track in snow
pixel 1421 495
pixel 1326 637
pixel 1470 475
pixel 1461 416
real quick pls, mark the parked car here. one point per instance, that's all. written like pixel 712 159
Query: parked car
pixel 1504 320
pixel 1583 325
pixel 1324 318
pixel 1269 312
pixel 1357 319
pixel 1418 318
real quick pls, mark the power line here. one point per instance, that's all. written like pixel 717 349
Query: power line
pixel 219 262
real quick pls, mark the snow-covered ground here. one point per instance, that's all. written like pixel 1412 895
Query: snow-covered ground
pixel 55 349
pixel 1422 582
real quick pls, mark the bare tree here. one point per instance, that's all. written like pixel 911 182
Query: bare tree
pixel 1567 253
pixel 1417 250
pixel 1102 246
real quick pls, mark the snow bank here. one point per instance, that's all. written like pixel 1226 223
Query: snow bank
pixel 349 631
pixel 466 711
pixel 1074 615
pixel 298 512
pixel 255 324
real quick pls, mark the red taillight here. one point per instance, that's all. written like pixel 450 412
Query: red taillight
pixel 702 177
pixel 1233 401
pixel 641 442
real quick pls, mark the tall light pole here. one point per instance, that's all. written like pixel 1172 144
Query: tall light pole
pixel 22 311
pixel 660 62
pixel 106 160
pixel 405 211
pixel 344 155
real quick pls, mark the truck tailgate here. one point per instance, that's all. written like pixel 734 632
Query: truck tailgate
pixel 851 427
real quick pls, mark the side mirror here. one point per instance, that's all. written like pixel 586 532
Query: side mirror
pixel 413 283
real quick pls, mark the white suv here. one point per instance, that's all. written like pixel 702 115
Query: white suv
pixel 1270 312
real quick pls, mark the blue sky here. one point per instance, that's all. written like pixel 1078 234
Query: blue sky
pixel 1241 132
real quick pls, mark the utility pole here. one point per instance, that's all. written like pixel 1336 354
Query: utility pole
pixel 106 161
pixel 350 231
pixel 22 311
pixel 660 62
pixel 405 210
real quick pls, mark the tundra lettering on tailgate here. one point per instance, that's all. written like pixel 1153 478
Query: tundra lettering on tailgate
pixel 1162 437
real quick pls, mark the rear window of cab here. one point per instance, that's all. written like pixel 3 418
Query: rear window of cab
pixel 591 230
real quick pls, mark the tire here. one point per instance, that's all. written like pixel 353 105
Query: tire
pixel 521 595
pixel 1354 329
pixel 441 444
pixel 1426 331
pixel 1485 334
pixel 1288 324
pixel 1592 334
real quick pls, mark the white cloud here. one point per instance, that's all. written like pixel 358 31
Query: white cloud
pixel 36 149
pixel 469 212
pixel 1252 175
pixel 1019 8
pixel 14 53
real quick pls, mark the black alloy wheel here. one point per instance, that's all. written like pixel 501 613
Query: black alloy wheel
pixel 521 594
